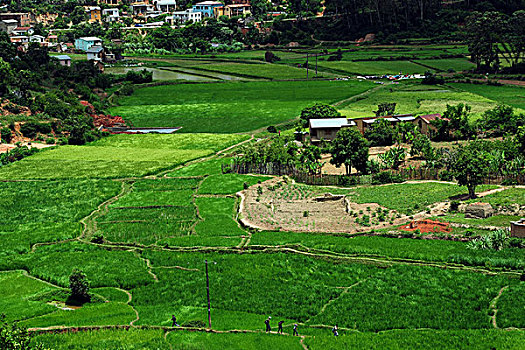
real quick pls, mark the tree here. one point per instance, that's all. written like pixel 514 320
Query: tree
pixel 384 109
pixel 484 32
pixel 309 159
pixel 351 149
pixel 6 76
pixel 500 119
pixel 520 138
pixel 14 337
pixel 420 146
pixel 318 111
pixel 380 133
pixel 79 285
pixel 470 165
pixel 458 121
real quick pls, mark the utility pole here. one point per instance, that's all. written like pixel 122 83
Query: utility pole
pixel 306 66
pixel 316 65
pixel 208 293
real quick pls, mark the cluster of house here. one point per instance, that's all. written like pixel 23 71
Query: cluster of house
pixel 214 9
pixel 326 129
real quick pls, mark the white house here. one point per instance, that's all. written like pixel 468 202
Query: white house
pixel 184 16
pixel 37 39
pixel 165 5
pixel 112 15
pixel 95 53
pixel 8 25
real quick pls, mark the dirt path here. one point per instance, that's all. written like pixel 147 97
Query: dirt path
pixel 90 223
pixel 345 291
pixel 493 307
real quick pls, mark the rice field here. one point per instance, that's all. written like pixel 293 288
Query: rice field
pixel 230 107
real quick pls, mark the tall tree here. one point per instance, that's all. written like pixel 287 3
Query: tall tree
pixel 350 149
pixel 318 111
pixel 470 165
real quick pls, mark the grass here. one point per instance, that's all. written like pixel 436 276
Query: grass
pixel 426 339
pixel 217 218
pixel 260 70
pixel 153 210
pixel 510 95
pixel 118 156
pixel 103 268
pixel 230 107
pixel 228 183
pixel 132 339
pixel 497 220
pixel 36 212
pixel 511 306
pixel 404 297
pixel 386 247
pixel 208 167
pixel 446 64
pixel 17 292
pixel 418 99
pixel 89 314
pixel 508 197
pixel 373 67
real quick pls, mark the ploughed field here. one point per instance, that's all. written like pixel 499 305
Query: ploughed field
pixel 142 236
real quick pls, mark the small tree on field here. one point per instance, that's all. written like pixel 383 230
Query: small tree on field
pixel 309 159
pixel 470 166
pixel 384 109
pixel 520 138
pixel 318 111
pixel 79 285
pixel 351 149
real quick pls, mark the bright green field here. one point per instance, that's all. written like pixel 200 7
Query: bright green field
pixel 510 95
pixel 260 70
pixel 230 107
pixel 457 64
pixel 374 67
pixel 417 99
pixel 119 156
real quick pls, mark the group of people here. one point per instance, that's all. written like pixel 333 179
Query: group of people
pixel 295 331
pixel 280 326
pixel 268 327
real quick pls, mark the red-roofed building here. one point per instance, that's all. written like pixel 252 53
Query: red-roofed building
pixel 424 123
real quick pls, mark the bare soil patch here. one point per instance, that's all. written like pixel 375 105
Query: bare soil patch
pixel 427 226
pixel 280 205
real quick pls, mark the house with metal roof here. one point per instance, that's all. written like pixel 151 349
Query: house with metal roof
pixel 206 7
pixel 86 42
pixel 95 53
pixel 64 60
pixel 326 129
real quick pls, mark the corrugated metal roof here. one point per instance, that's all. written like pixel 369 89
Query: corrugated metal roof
pixel 330 123
pixel 406 119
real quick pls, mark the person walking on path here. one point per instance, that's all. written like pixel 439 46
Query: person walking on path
pixel 295 332
pixel 174 319
pixel 280 330
pixel 334 330
pixel 267 323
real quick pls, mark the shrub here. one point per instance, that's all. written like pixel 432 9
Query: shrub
pixel 495 240
pixel 386 177
pixel 306 213
pixel 79 286
pixel 6 135
pixel 272 129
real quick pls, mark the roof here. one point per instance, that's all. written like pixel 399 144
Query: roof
pixel 330 123
pixel 62 57
pixel 209 3
pixel 95 49
pixel 239 5
pixel 14 21
pixel 406 119
pixel 429 117
pixel 22 28
pixel 520 222
pixel 93 8
pixel 165 2
pixel 90 38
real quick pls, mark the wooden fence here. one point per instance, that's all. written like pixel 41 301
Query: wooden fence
pixel 342 180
